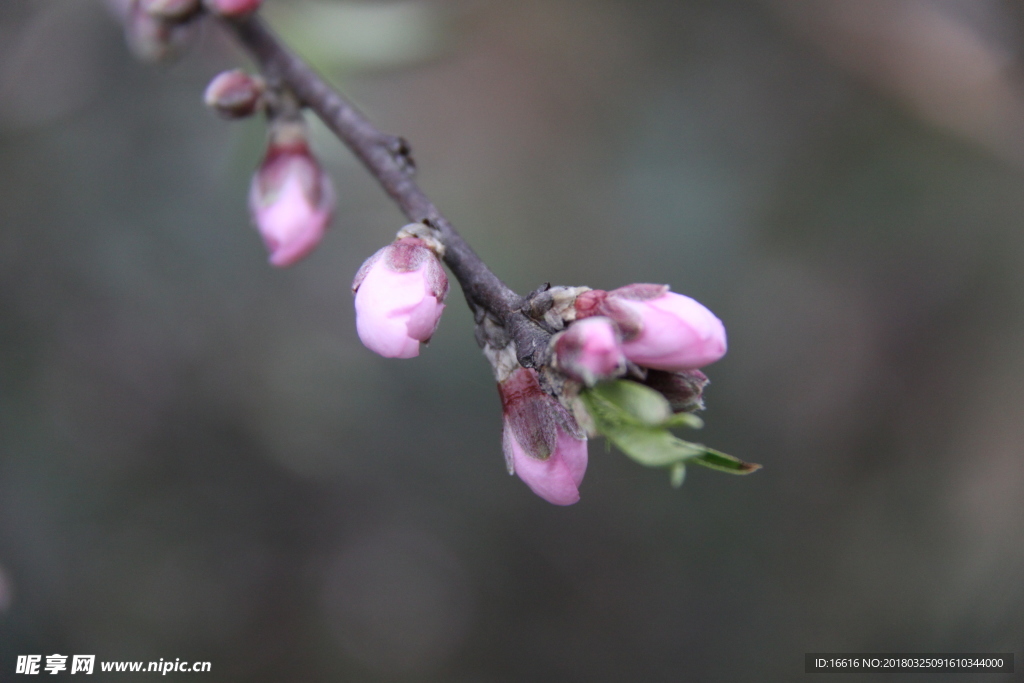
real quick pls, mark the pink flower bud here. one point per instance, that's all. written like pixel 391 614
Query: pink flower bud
pixel 400 294
pixel 543 444
pixel 590 350
pixel 234 94
pixel 232 8
pixel 291 198
pixel 660 329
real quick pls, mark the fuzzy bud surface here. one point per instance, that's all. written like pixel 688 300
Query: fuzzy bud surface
pixel 234 94
pixel 291 200
pixel 684 390
pixel 660 329
pixel 400 293
pixel 543 444
pixel 590 350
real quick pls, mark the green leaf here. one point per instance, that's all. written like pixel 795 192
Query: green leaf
pixel 643 405
pixel 651 446
pixel 638 424
pixel 603 411
pixel 722 462
pixel 684 420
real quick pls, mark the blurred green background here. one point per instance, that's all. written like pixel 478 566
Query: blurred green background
pixel 199 460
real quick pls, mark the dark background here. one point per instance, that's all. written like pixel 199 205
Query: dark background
pixel 199 460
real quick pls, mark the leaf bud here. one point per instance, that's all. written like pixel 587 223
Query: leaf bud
pixel 234 94
pixel 684 390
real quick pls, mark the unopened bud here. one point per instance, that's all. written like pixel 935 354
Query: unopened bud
pixel 542 441
pixel 660 329
pixel 234 94
pixel 684 390
pixel 400 293
pixel 291 198
pixel 232 8
pixel 590 350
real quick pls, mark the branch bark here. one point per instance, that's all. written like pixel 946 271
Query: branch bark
pixel 387 159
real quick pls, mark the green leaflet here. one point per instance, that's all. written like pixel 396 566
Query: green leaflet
pixel 637 420
pixel 722 462
pixel 651 446
pixel 637 404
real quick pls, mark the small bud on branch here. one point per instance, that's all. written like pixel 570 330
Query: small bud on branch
pixel 400 293
pixel 661 329
pixel 542 442
pixel 234 94
pixel 683 390
pixel 590 350
pixel 291 198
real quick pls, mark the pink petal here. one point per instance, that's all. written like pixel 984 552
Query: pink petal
pixel 395 310
pixel 556 479
pixel 590 350
pixel 678 333
pixel 283 208
pixel 424 318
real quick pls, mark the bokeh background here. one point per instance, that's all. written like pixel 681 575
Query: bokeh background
pixel 200 461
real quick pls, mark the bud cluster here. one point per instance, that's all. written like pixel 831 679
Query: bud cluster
pixel 661 330
pixel 291 198
pixel 647 331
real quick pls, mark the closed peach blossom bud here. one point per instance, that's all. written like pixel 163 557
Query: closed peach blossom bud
pixel 291 198
pixel 400 293
pixel 660 329
pixel 590 350
pixel 543 444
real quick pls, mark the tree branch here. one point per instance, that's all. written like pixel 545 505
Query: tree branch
pixel 387 158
